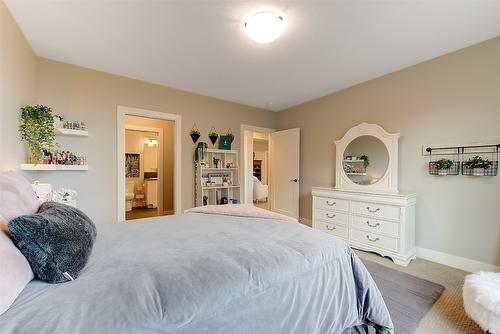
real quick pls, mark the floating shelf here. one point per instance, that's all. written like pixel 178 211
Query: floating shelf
pixel 53 167
pixel 71 132
pixel 358 174
pixel 353 160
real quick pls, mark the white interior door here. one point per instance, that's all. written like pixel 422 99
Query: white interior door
pixel 285 168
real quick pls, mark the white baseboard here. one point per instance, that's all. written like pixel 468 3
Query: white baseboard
pixel 446 259
pixel 455 261
pixel 305 221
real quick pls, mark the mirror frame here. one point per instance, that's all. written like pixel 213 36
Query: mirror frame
pixel 389 182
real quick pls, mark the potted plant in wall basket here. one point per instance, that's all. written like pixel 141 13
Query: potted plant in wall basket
pixel 37 130
pixel 478 165
pixel 195 134
pixel 443 166
pixel 213 135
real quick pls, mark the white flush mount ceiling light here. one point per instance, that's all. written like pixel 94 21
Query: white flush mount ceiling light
pixel 264 26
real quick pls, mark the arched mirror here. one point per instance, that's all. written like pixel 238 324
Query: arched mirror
pixel 367 159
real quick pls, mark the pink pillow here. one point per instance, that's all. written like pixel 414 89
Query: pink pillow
pixel 15 272
pixel 17 198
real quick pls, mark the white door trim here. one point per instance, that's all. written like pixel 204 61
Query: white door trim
pixel 253 128
pixel 120 149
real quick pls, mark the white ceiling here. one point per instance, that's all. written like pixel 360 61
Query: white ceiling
pixel 199 46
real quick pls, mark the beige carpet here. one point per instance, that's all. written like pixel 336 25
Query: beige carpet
pixel 447 316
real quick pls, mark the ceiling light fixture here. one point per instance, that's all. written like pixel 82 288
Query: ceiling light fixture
pixel 152 142
pixel 264 26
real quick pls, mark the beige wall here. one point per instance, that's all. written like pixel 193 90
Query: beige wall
pixel 451 99
pixel 91 96
pixel 17 88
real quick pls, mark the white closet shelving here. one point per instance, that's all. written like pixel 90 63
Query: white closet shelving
pixel 209 179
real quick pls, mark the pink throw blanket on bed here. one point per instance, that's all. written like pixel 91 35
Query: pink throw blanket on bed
pixel 240 210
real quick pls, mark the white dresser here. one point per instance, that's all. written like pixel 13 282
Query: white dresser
pixel 381 223
pixel 366 208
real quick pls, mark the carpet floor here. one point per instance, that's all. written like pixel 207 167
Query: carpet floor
pixel 447 316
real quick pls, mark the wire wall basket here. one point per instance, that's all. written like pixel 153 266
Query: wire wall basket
pixel 477 160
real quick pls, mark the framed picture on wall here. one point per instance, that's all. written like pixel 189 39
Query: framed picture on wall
pixel 132 165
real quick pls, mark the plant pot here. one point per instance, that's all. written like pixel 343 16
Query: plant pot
pixel 194 137
pixel 442 172
pixel 213 139
pixel 478 171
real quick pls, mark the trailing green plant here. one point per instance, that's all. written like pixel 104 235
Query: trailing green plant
pixel 443 164
pixel 213 133
pixel 478 162
pixel 194 132
pixel 366 161
pixel 36 128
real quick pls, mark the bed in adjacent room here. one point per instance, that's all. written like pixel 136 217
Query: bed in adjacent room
pixel 208 273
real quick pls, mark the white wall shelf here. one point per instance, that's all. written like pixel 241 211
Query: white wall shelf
pixel 71 132
pixel 54 167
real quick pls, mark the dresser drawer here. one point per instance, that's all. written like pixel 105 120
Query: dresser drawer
pixel 374 240
pixel 332 216
pixel 331 203
pixel 376 210
pixel 375 225
pixel 335 229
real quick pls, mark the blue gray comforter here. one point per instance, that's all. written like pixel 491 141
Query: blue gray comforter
pixel 200 274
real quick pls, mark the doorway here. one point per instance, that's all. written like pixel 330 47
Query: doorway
pixel 148 164
pixel 256 176
pixel 270 161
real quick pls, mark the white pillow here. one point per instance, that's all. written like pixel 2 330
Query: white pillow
pixel 17 198
pixel 15 272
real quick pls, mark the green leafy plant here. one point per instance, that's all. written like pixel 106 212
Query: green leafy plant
pixel 37 130
pixel 443 164
pixel 194 132
pixel 213 134
pixel 366 161
pixel 478 162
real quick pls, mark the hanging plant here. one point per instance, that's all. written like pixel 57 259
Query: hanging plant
pixel 194 133
pixel 37 130
pixel 366 161
pixel 213 135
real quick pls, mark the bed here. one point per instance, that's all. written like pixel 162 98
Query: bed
pixel 203 273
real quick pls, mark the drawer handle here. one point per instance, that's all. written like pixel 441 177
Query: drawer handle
pixel 331 203
pixel 372 211
pixel 330 228
pixel 372 240
pixel 372 225
pixel 330 216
